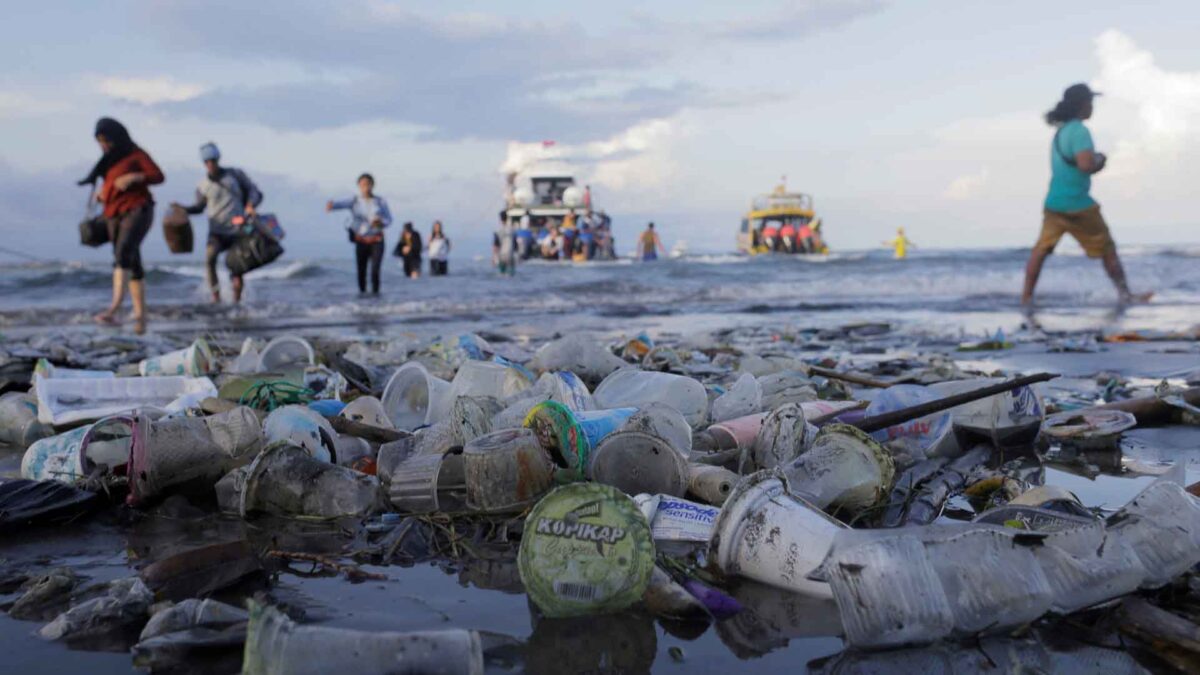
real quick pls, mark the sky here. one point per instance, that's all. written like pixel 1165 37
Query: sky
pixel 922 114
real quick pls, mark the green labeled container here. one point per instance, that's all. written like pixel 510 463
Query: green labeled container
pixel 586 549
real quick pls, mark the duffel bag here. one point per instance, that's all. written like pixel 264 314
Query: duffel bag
pixel 251 252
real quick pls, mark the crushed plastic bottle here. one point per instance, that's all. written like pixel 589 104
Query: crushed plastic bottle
pixel 743 398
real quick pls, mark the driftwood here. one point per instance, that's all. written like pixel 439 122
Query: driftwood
pixel 861 380
pixel 1151 410
pixel 367 432
pixel 1173 639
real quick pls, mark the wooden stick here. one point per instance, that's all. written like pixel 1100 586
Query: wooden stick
pixel 367 432
pixel 879 422
pixel 1157 626
pixel 861 380
pixel 1151 410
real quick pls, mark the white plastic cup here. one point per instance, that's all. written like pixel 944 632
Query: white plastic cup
pixel 68 457
pixel 414 398
pixel 566 388
pixel 636 388
pixel 770 535
pixel 285 351
pixel 19 425
pixel 1010 419
pixel 665 422
pixel 275 644
pixel 844 468
pixel 193 361
pixel 480 379
pixel 785 435
pixel 178 451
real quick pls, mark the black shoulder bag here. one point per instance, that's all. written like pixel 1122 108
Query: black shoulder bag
pixel 93 229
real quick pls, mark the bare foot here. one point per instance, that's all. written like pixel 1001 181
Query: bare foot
pixel 107 318
pixel 1136 298
pixel 139 325
pixel 216 298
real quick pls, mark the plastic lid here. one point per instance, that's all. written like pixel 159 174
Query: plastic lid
pixel 586 550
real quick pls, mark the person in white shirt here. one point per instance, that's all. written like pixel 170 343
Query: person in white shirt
pixel 369 216
pixel 439 251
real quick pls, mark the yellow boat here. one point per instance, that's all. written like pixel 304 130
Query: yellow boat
pixel 781 222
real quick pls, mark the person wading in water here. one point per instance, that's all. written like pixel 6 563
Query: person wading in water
pixel 127 172
pixel 369 216
pixel 225 193
pixel 1069 208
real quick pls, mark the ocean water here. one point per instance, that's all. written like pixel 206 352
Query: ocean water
pixel 940 292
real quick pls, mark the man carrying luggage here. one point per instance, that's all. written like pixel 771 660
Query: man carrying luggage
pixel 225 193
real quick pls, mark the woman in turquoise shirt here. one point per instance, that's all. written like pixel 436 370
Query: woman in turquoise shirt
pixel 1069 207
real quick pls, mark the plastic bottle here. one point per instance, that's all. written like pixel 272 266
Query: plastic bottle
pixel 743 398
pixel 637 388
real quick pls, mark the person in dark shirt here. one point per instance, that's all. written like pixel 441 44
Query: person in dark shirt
pixel 409 251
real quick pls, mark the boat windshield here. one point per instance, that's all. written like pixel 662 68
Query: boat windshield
pixel 549 191
pixel 782 201
pixel 779 222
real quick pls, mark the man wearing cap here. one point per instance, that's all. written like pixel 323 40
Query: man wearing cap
pixel 1069 208
pixel 223 194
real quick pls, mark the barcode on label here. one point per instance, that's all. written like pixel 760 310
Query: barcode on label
pixel 574 591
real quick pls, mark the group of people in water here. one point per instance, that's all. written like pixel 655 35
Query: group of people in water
pixel 791 235
pixel 369 217
pixel 574 238
pixel 230 199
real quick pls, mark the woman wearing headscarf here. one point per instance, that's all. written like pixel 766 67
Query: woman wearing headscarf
pixel 127 172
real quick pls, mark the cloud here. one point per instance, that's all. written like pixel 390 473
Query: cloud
pixel 149 90
pixel 796 18
pixel 461 76
pixel 15 103
pixel 1153 113
pixel 966 186
pixel 635 159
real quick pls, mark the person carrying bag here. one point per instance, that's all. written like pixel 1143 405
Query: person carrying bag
pixel 369 216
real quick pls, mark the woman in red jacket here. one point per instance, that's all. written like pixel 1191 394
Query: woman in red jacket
pixel 127 171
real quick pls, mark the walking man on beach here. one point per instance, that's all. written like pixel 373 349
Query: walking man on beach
pixel 1069 208
pixel 504 248
pixel 223 194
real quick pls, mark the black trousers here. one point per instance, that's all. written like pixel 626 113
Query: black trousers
pixel 412 264
pixel 126 231
pixel 371 254
pixel 438 268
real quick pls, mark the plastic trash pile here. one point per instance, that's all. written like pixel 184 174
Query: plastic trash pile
pixel 627 475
